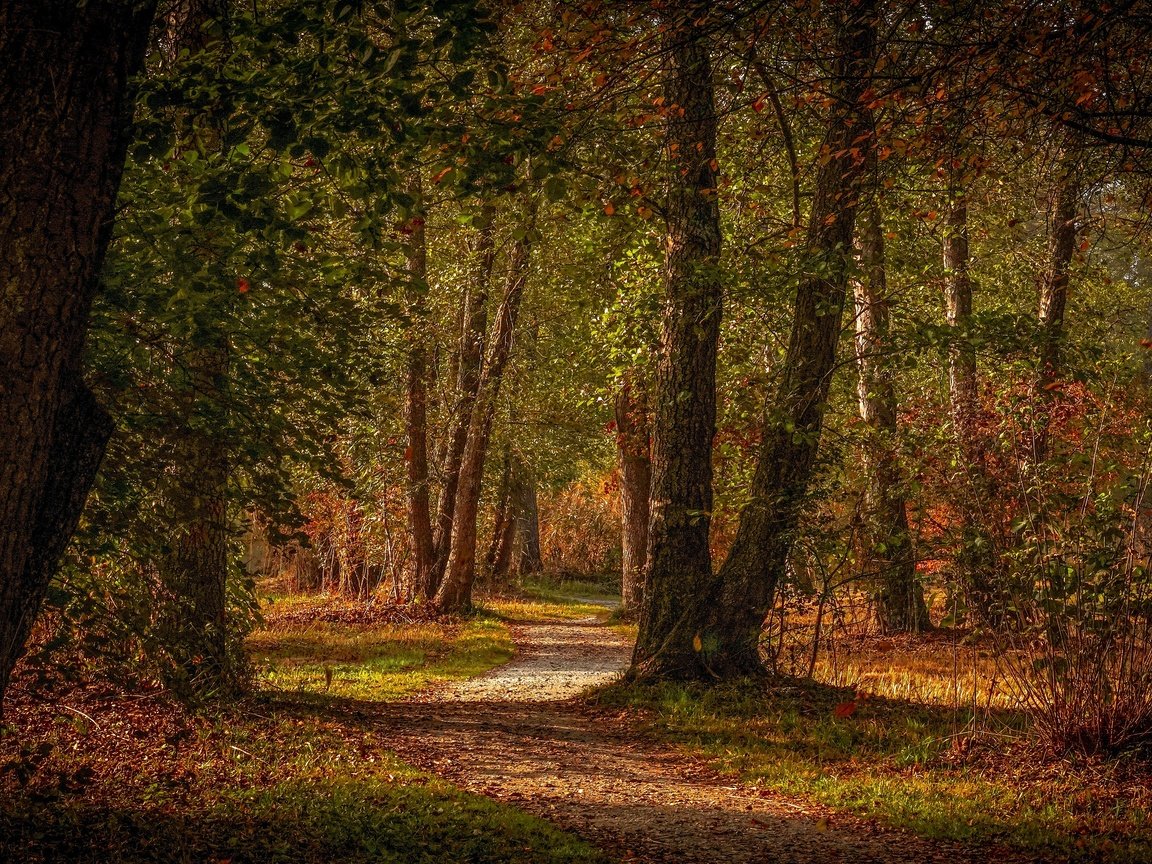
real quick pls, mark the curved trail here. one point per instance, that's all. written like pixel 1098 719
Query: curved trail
pixel 517 735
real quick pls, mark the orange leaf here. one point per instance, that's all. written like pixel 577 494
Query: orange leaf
pixel 242 285
pixel 610 209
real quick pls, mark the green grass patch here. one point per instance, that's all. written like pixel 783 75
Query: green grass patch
pixel 561 589
pixel 538 608
pixel 915 766
pixel 381 662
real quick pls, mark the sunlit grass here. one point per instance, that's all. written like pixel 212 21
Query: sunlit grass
pixel 542 609
pixel 374 661
pixel 931 766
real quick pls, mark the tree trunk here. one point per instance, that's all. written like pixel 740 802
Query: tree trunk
pixel 416 405
pixel 66 104
pixel 471 355
pixel 1065 206
pixel 455 592
pixel 527 519
pixel 962 381
pixel 499 557
pixel 975 559
pixel 193 622
pixel 888 543
pixel 679 576
pixel 633 452
pixel 192 619
pixel 793 423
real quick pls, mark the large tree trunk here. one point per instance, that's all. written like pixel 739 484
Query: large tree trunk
pixel 192 621
pixel 679 576
pixel 416 406
pixel 633 452
pixel 887 541
pixel 66 109
pixel 794 419
pixel 455 592
pixel 470 359
pixel 1064 209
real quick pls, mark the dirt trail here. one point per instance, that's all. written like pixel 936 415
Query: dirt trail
pixel 516 735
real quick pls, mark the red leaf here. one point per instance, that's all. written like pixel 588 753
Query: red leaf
pixel 845 709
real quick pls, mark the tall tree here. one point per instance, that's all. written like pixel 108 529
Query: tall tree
pixel 192 619
pixel 1064 206
pixel 527 519
pixel 469 362
pixel 66 101
pixel 455 592
pixel 416 402
pixel 887 541
pixel 794 418
pixel 679 573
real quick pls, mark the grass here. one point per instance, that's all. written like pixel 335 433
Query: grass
pixel 268 782
pixel 299 772
pixel 917 765
pixel 365 660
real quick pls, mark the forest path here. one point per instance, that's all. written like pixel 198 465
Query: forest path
pixel 517 735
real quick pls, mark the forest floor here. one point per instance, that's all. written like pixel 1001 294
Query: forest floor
pixel 517 735
pixel 378 735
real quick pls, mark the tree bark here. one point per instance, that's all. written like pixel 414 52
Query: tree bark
pixel 679 575
pixel 1064 208
pixel 975 559
pixel 888 549
pixel 793 422
pixel 962 380
pixel 193 623
pixel 416 404
pixel 499 557
pixel 455 592
pixel 470 361
pixel 633 452
pixel 66 104
pixel 526 513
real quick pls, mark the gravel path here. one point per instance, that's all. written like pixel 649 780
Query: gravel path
pixel 516 735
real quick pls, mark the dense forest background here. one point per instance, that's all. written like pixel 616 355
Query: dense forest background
pixel 789 320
